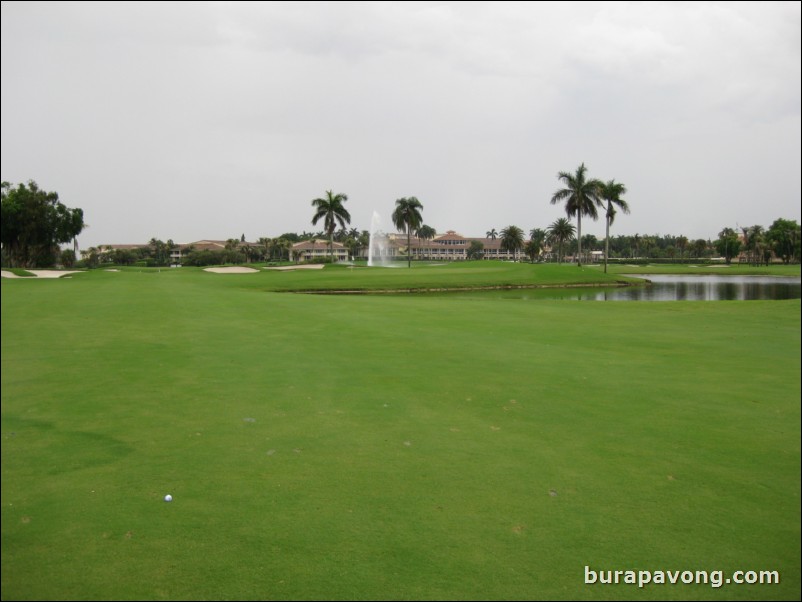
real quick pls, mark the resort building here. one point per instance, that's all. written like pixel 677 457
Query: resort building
pixel 310 250
pixel 450 246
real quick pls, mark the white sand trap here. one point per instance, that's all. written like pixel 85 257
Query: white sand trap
pixel 306 266
pixel 52 273
pixel 40 274
pixel 232 270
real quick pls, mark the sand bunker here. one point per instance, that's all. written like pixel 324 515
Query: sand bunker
pixel 306 266
pixel 40 274
pixel 232 270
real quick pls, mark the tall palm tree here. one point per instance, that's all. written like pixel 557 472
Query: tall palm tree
pixel 611 192
pixel 512 240
pixel 581 197
pixel 560 232
pixel 491 234
pixel 407 215
pixel 330 209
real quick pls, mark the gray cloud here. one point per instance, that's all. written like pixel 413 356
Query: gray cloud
pixel 186 121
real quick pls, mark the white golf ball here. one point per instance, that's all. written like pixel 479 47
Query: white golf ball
pixel 168 498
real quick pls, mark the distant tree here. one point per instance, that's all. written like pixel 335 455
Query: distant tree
pixel 407 216
pixel 728 244
pixel 283 245
pixel 581 197
pixel 611 192
pixel 682 244
pixel 33 223
pixel 532 248
pixel 512 240
pixel 123 256
pixel 170 247
pixel 476 250
pixel 330 209
pixel 364 239
pixel 589 243
pixel 426 232
pixel 67 258
pixel 755 244
pixel 699 248
pixel 537 234
pixel 783 236
pixel 204 258
pixel 91 257
pixel 265 243
pixel 492 234
pixel 537 241
pixel 560 232
pixel 158 252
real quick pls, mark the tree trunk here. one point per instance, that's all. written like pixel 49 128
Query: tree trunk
pixel 579 239
pixel 409 248
pixel 607 239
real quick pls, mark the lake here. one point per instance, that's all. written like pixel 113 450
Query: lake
pixel 690 287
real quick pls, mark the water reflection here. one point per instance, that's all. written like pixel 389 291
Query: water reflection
pixel 694 288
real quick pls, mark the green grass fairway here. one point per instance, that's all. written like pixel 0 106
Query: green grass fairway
pixel 390 447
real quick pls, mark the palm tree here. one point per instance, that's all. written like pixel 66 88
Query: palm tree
pixel 537 239
pixel 426 233
pixel 265 243
pixel 537 234
pixel 407 215
pixel 330 209
pixel 492 234
pixel 611 192
pixel 560 231
pixel 756 243
pixel 532 249
pixel 581 197
pixel 512 240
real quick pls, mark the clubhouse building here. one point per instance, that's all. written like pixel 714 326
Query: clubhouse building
pixel 393 247
pixel 450 246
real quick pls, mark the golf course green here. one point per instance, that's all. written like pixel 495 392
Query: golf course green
pixel 394 447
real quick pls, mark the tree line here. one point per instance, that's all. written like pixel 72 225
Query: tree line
pixel 35 224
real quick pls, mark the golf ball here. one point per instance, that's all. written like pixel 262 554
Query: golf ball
pixel 168 498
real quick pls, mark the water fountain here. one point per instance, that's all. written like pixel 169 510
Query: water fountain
pixel 377 247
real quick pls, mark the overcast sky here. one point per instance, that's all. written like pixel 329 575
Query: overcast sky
pixel 187 121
